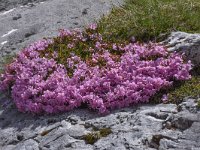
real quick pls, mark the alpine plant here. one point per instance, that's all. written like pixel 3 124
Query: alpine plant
pixel 79 67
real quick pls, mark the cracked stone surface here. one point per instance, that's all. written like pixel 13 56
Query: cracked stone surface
pixel 163 126
pixel 9 4
pixel 186 43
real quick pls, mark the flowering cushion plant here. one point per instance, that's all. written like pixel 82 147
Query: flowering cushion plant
pixel 60 74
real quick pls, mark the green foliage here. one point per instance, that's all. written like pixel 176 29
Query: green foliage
pixel 198 103
pixel 105 132
pixel 180 90
pixel 94 136
pixel 91 138
pixel 5 60
pixel 148 19
pixel 189 88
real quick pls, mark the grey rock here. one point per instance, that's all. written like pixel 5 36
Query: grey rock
pixel 27 145
pixel 190 105
pixel 134 128
pixel 185 43
pixel 18 16
pixel 9 4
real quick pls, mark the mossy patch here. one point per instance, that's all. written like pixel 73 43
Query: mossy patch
pixel 105 132
pixel 190 88
pixel 94 136
pixel 5 60
pixel 198 103
pixel 179 91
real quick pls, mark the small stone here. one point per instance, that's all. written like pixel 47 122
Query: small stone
pixel 132 39
pixel 18 16
pixel 75 23
pixel 85 11
pixel 168 125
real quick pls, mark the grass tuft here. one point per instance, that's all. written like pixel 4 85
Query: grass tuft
pixel 190 88
pixel 94 136
pixel 148 19
pixel 5 60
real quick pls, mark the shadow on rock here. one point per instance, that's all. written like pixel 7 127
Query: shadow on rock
pixel 11 117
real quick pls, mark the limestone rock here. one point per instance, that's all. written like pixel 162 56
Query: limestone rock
pixel 185 43
pixel 163 126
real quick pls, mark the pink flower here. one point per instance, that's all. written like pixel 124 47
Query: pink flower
pixel 70 46
pixel 93 26
pixel 40 84
pixel 114 46
pixel 165 98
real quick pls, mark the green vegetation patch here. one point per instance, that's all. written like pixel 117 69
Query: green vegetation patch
pixel 198 104
pixel 189 88
pixel 180 90
pixel 94 136
pixel 148 19
pixel 5 60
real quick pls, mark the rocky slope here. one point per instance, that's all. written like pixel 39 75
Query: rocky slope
pixel 163 126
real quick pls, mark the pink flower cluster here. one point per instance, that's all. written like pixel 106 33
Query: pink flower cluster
pixel 42 85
